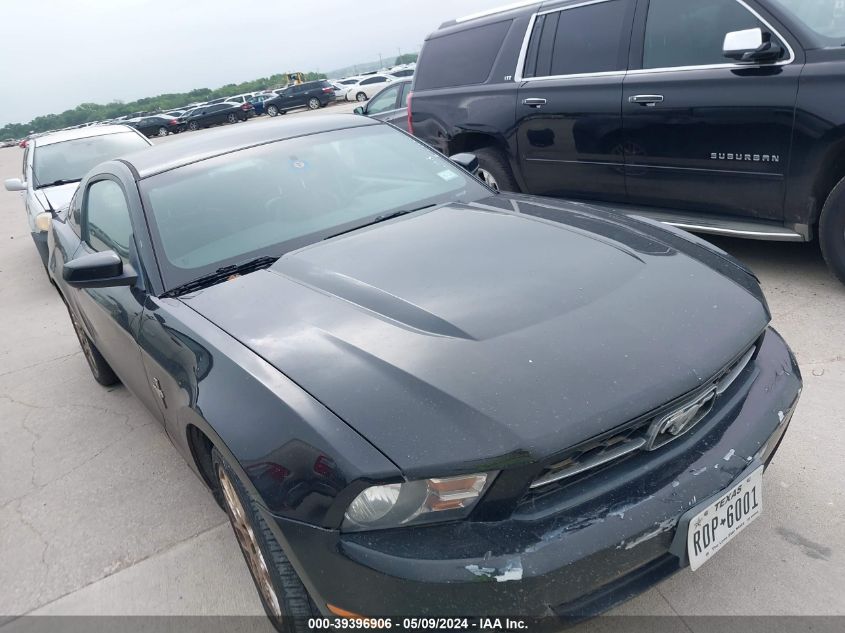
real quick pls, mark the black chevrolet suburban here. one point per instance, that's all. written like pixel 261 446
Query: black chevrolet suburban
pixel 718 116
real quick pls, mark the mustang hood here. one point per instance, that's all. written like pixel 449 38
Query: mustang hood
pixel 471 334
pixel 57 197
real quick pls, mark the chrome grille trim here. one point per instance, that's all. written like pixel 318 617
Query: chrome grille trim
pixel 608 456
pixel 725 383
pixel 637 437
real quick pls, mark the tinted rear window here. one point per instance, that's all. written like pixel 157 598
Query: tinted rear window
pixel 462 58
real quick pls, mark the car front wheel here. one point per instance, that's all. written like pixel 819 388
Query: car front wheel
pixel 282 593
pixel 101 370
pixel 832 231
pixel 361 96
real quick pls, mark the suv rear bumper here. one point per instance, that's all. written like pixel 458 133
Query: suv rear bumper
pixel 574 563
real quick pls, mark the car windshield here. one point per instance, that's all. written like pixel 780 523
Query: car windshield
pixel 281 196
pixel 71 160
pixel 825 17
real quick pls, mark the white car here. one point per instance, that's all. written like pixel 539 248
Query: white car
pixel 367 86
pixel 53 164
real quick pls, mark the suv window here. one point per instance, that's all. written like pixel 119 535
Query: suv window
pixel 585 39
pixel 107 224
pixel 692 33
pixel 461 58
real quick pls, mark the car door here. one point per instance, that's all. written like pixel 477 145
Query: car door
pixel 112 315
pixel 568 111
pixel 383 106
pixel 703 133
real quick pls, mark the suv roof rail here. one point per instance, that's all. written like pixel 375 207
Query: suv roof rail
pixel 483 14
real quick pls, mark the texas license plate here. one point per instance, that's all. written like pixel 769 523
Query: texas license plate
pixel 724 518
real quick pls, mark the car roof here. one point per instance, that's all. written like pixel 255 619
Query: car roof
pixel 167 156
pixel 84 132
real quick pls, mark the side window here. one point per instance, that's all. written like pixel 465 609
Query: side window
pixel 403 100
pixel 585 39
pixel 384 101
pixel 107 224
pixel 691 32
pixel 74 216
pixel 462 58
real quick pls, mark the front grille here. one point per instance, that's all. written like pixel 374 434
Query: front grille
pixel 650 432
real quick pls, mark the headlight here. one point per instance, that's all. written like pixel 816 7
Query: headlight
pixel 414 502
pixel 42 221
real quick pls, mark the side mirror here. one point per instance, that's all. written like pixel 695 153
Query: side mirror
pixel 14 184
pixel 751 45
pixel 98 270
pixel 358 110
pixel 466 160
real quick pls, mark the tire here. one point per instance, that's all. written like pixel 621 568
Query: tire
pixel 361 96
pixel 193 126
pixel 832 231
pixel 272 110
pixel 285 598
pixel 314 103
pixel 101 370
pixel 232 117
pixel 162 131
pixel 494 169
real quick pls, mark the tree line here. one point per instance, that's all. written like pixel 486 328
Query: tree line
pixel 88 112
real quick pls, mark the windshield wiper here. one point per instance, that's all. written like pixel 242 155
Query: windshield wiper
pixel 56 183
pixel 222 274
pixel 380 218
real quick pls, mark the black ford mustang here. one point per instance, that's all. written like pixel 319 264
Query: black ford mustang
pixel 414 395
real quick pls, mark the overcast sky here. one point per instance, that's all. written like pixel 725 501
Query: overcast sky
pixel 56 54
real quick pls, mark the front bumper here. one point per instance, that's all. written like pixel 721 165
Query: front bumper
pixel 602 545
pixel 40 239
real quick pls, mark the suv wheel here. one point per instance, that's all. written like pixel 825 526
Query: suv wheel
pixel 832 231
pixel 193 126
pixel 272 110
pixel 282 593
pixel 494 170
pixel 314 103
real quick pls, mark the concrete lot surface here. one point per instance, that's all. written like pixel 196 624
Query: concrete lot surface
pixel 100 515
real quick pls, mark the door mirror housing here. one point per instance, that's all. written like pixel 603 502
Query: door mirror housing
pixel 466 160
pixel 98 270
pixel 751 45
pixel 15 184
pixel 359 110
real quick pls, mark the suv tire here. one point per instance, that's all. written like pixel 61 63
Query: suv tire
pixel 272 110
pixel 284 597
pixel 495 170
pixel 832 231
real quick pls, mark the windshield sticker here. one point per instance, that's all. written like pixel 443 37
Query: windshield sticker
pixel 447 175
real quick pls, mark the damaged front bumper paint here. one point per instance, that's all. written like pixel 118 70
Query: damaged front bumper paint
pixel 572 558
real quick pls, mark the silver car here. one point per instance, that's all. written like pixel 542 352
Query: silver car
pixel 53 164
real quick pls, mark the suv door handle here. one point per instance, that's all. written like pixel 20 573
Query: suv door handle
pixel 534 103
pixel 646 100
